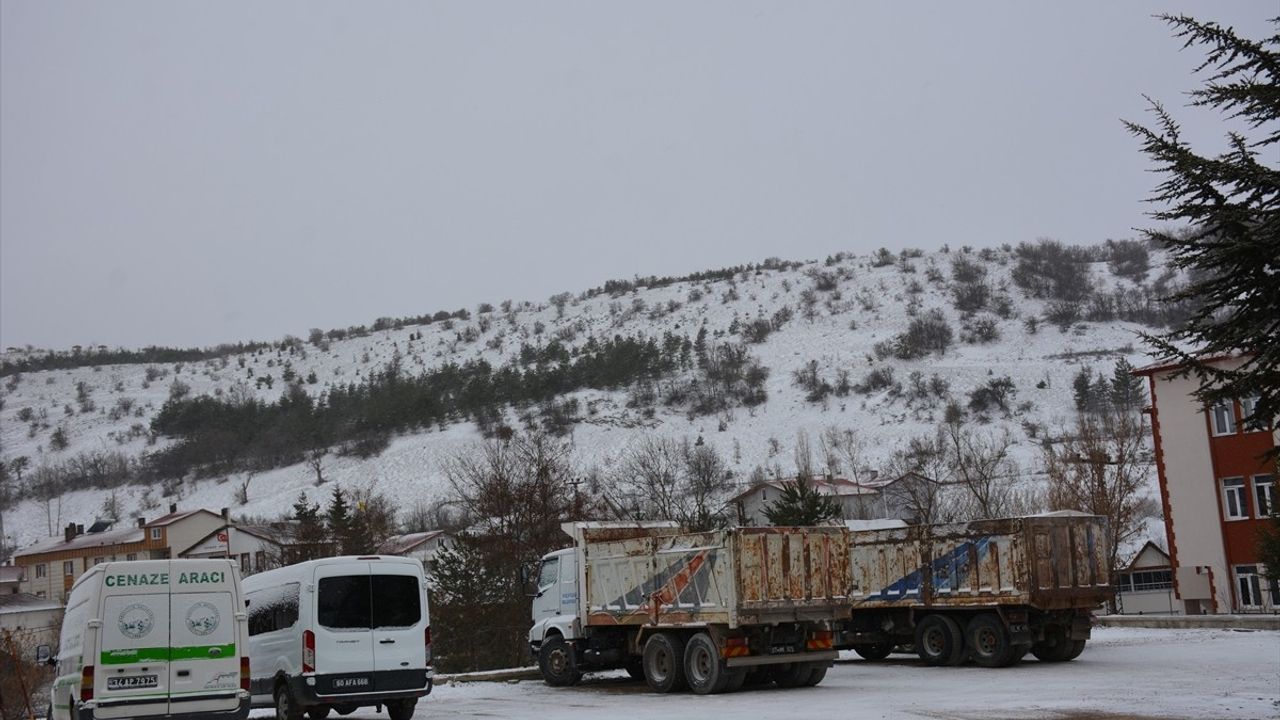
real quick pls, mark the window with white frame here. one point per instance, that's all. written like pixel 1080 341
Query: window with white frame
pixel 155 533
pixel 1248 586
pixel 1224 418
pixel 41 571
pixel 131 557
pixel 1233 499
pixel 68 567
pixel 1247 406
pixel 1264 489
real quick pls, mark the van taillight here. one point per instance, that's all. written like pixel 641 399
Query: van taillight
pixel 244 672
pixel 308 651
pixel 427 639
pixel 86 683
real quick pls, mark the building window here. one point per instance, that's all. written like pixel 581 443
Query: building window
pixel 260 561
pixel 1249 586
pixel 69 567
pixel 156 533
pixel 39 593
pixel 1246 409
pixel 131 557
pixel 40 571
pixel 1224 419
pixel 1142 580
pixel 97 561
pixel 1233 504
pixel 244 563
pixel 1264 489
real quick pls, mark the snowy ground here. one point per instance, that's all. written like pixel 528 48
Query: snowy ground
pixel 1126 673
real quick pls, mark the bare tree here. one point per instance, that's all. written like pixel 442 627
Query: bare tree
pixel 315 461
pixel 845 453
pixel 663 479
pixel 921 486
pixel 1101 468
pixel 980 464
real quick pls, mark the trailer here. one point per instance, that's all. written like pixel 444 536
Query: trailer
pixel 987 590
pixel 696 610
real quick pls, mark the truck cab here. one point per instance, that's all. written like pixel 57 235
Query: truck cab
pixel 555 598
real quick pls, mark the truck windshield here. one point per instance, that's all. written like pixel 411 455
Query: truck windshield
pixel 362 602
pixel 550 573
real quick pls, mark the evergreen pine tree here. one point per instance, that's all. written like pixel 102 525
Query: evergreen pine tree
pixel 1126 388
pixel 339 518
pixel 801 504
pixel 1081 388
pixel 309 539
pixel 1230 204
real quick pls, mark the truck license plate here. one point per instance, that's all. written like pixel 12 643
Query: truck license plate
pixel 131 682
pixel 781 649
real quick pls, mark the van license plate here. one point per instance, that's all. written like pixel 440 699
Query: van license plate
pixel 132 682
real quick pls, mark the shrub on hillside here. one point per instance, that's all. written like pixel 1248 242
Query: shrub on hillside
pixel 929 333
pixel 1129 259
pixel 1049 269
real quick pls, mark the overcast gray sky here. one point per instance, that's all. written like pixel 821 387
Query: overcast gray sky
pixel 193 173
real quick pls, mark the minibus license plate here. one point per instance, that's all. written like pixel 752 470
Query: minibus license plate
pixel 131 682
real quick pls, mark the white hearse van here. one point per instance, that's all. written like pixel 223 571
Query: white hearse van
pixel 163 639
pixel 340 633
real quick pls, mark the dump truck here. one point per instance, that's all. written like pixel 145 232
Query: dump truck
pixel 989 591
pixel 691 610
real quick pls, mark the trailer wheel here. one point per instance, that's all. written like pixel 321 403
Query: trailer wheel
pixel 816 675
pixel 792 674
pixel 737 678
pixel 874 651
pixel 989 642
pixel 1076 647
pixel 939 641
pixel 557 663
pixel 664 662
pixel 703 668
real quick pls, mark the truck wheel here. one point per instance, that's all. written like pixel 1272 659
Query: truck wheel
pixel 286 708
pixel 989 644
pixel 874 651
pixel 939 641
pixel 1057 647
pixel 816 675
pixel 664 662
pixel 401 709
pixel 635 668
pixel 556 661
pixel 792 674
pixel 737 678
pixel 703 668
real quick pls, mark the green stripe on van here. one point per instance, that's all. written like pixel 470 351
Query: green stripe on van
pixel 163 654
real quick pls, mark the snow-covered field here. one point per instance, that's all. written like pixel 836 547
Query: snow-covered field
pixel 1126 673
pixel 869 304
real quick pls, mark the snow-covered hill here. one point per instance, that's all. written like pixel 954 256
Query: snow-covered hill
pixel 840 309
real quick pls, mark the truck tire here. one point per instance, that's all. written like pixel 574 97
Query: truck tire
pixel 664 662
pixel 286 707
pixel 874 651
pixel 1057 647
pixel 816 675
pixel 737 678
pixel 989 644
pixel 318 713
pixel 792 674
pixel 557 662
pixel 635 668
pixel 939 641
pixel 401 709
pixel 705 672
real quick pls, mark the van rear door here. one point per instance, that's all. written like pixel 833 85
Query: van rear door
pixel 133 659
pixel 343 634
pixel 399 619
pixel 204 661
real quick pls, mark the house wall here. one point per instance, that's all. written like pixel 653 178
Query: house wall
pixel 31 628
pixel 182 534
pixel 1204 546
pixel 56 583
pixel 253 553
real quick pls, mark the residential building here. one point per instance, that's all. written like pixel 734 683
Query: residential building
pixel 10 579
pixel 1216 488
pixel 254 547
pixel 1145 585
pixel 50 567
pixel 856 500
pixel 31 622
pixel 421 545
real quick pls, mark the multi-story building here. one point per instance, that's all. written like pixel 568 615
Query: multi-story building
pixel 50 567
pixel 1217 488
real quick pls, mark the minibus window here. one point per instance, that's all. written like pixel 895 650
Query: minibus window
pixel 343 602
pixel 396 604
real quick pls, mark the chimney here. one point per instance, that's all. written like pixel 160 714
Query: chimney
pixel 226 516
pixel 79 529
pixel 173 508
pixel 69 533
pixel 142 522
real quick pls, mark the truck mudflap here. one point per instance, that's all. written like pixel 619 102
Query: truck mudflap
pixel 804 657
pixel 1081 627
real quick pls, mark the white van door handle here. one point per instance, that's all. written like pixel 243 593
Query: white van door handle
pixel 215 651
pixel 386 641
